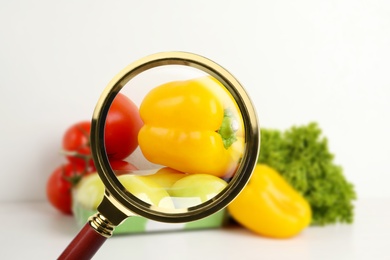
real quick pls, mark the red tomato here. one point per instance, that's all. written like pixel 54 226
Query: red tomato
pixel 76 145
pixel 122 126
pixel 59 185
pixel 122 167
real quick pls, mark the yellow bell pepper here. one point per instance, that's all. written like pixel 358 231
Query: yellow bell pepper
pixel 269 206
pixel 191 126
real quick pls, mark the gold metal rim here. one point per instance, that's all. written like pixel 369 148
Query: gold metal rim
pixel 128 203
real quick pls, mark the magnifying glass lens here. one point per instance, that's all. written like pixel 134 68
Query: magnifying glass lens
pixel 174 138
pixel 181 140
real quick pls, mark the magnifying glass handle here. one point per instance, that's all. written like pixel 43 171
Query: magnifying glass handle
pixel 95 232
pixel 84 245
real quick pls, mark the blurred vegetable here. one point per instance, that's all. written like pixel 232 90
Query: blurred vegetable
pixel 76 146
pixel 121 139
pixel 90 191
pixel 59 185
pixel 193 130
pixel 269 206
pixel 302 157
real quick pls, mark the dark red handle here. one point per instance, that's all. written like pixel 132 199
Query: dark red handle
pixel 84 245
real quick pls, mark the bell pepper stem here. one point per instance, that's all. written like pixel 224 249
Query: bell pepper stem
pixel 228 129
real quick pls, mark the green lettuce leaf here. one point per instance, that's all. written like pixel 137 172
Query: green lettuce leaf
pixel 301 155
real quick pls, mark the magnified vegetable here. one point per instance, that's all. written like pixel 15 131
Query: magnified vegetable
pixel 269 206
pixel 122 167
pixel 189 127
pixel 146 190
pixel 166 177
pixel 196 188
pixel 122 125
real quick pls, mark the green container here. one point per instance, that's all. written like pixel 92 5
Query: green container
pixel 138 224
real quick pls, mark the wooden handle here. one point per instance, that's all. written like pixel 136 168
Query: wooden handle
pixel 84 245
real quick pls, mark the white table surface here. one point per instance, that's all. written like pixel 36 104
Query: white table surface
pixel 33 230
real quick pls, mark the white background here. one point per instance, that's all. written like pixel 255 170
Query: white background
pixel 300 61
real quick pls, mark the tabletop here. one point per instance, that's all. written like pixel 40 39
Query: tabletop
pixel 35 230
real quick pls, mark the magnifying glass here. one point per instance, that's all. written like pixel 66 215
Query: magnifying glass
pixel 198 145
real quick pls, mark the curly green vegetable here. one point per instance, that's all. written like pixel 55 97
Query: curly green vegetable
pixel 302 157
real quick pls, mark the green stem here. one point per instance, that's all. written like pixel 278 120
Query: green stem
pixel 228 129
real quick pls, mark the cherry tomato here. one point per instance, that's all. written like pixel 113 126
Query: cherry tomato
pixel 75 143
pixel 59 185
pixel 123 123
pixel 122 167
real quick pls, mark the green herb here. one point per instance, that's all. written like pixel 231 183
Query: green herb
pixel 301 156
